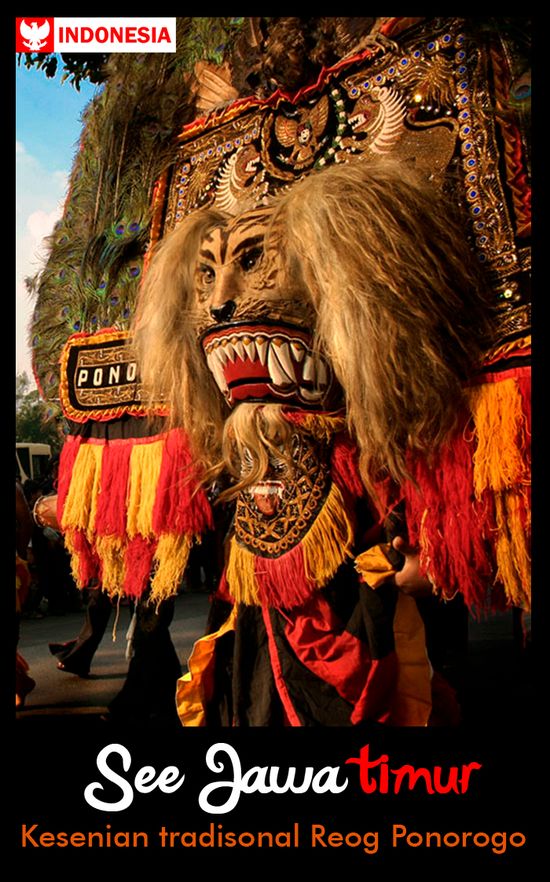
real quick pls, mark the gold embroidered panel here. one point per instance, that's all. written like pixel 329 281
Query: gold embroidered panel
pixel 431 100
pixel 272 517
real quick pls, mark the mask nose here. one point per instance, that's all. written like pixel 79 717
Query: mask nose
pixel 224 312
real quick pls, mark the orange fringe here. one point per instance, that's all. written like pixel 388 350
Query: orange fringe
pixel 502 469
pixel 500 461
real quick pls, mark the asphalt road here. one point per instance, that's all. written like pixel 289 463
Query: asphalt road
pixel 497 677
pixel 57 693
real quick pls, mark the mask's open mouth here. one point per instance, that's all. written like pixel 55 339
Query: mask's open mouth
pixel 268 361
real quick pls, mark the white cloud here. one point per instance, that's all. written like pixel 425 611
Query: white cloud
pixel 40 224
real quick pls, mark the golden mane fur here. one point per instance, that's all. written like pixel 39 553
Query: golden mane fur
pixel 401 312
pixel 172 365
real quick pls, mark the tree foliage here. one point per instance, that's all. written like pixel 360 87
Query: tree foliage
pixel 73 68
pixel 32 422
pixel 199 38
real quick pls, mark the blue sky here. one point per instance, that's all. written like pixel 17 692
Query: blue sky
pixel 48 125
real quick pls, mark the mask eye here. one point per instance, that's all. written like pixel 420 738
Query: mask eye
pixel 206 274
pixel 251 259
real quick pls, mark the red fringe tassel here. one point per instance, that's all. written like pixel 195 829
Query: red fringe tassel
pixel 138 560
pixel 111 504
pixel 89 567
pixel 282 581
pixel 446 521
pixel 181 506
pixel 345 466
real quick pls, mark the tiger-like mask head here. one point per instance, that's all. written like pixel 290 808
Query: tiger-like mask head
pixel 255 324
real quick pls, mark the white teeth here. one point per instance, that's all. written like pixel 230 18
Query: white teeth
pixel 276 371
pixel 221 355
pixel 217 370
pixel 282 352
pixel 309 369
pixel 261 346
pixel 251 350
pixel 281 356
pixel 239 347
pixel 228 350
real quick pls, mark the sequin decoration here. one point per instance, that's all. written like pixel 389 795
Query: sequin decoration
pixel 427 99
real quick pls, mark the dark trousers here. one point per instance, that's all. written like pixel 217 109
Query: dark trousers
pixel 77 654
pixel 148 696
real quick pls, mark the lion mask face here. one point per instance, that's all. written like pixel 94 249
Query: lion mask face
pixel 256 328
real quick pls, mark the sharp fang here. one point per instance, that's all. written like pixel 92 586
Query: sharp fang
pixel 250 347
pixel 221 355
pixel 309 369
pixel 217 372
pixel 261 346
pixel 239 348
pixel 298 351
pixel 228 350
pixel 276 372
pixel 282 352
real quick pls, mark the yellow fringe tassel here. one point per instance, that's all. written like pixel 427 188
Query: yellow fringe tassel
pixel 241 577
pixel 68 541
pixel 110 550
pixel 171 558
pixel 499 463
pixel 329 541
pixel 512 556
pixel 80 507
pixel 145 466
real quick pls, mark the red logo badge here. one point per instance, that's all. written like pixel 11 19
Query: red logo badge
pixel 34 35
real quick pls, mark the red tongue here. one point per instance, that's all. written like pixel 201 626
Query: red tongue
pixel 250 379
pixel 246 379
pixel 245 370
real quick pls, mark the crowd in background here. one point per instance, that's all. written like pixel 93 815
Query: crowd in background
pixel 52 590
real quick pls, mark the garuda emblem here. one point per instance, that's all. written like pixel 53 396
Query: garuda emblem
pixel 303 133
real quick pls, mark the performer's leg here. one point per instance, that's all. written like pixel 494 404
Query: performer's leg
pixel 76 656
pixel 148 695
